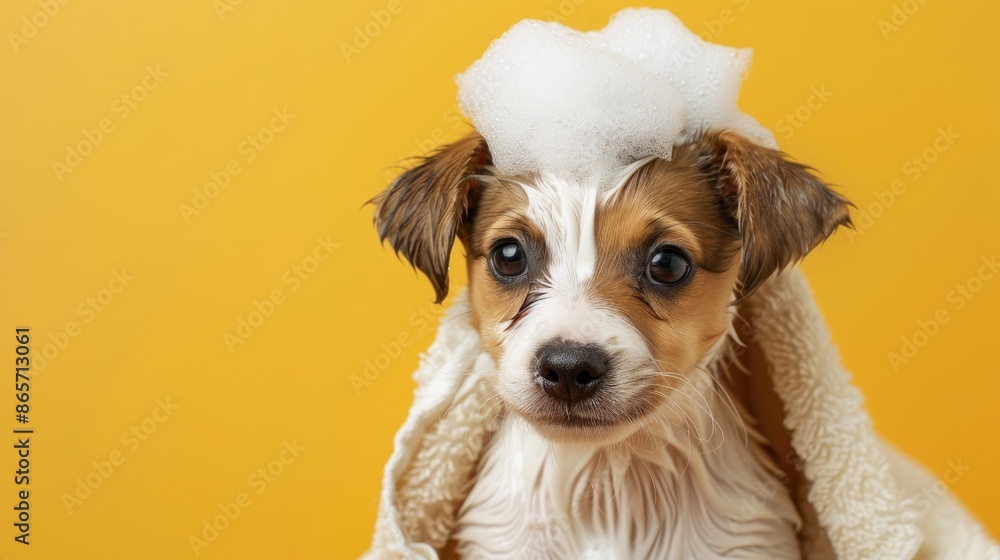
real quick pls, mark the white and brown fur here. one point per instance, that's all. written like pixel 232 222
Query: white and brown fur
pixel 659 462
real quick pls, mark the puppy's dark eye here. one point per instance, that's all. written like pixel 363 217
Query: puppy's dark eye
pixel 668 265
pixel 508 260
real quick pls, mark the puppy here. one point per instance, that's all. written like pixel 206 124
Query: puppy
pixel 609 316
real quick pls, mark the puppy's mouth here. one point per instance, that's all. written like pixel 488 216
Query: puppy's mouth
pixel 590 422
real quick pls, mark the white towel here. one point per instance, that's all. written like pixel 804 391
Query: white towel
pixel 860 498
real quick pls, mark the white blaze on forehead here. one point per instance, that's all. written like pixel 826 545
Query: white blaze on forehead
pixel 587 249
pixel 550 99
pixel 565 216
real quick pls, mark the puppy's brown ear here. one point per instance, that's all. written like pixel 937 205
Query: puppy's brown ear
pixel 421 211
pixel 783 211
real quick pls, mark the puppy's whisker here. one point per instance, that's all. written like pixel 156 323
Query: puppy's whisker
pixel 694 425
pixel 703 405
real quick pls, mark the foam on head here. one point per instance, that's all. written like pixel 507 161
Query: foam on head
pixel 583 105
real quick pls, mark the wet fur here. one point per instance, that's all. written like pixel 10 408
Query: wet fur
pixel 741 212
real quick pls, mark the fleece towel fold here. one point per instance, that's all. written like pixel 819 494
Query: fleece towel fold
pixel 860 499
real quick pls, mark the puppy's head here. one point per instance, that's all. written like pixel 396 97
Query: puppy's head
pixel 599 305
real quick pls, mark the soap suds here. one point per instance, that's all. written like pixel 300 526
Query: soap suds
pixel 582 105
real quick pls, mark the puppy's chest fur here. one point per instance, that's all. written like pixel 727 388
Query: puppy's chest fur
pixel 661 494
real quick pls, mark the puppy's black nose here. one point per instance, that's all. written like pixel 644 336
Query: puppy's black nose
pixel 570 372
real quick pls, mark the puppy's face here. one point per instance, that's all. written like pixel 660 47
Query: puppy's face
pixel 599 306
pixel 589 302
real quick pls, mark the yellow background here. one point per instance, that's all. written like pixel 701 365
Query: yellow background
pixel 355 116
